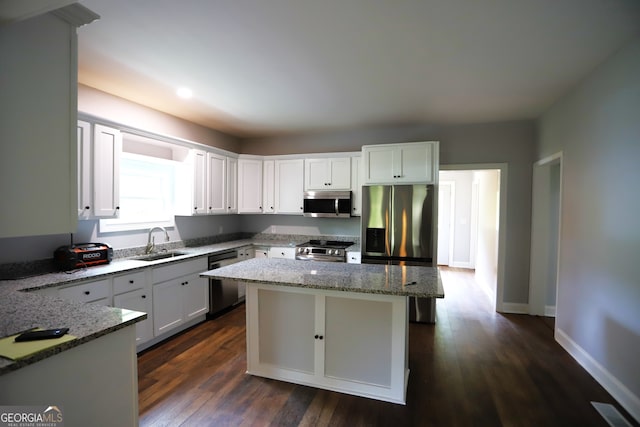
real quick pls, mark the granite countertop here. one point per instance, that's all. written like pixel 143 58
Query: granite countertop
pixel 421 282
pixel 22 309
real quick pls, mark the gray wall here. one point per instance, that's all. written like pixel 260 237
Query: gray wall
pixel 512 143
pixel 597 127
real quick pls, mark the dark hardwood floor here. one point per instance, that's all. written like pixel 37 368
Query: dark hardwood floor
pixel 474 367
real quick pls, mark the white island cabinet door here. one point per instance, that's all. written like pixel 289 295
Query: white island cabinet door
pixel 282 332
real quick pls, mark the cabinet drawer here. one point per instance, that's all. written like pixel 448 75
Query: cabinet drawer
pixel 282 252
pixel 87 292
pixel 128 282
pixel 353 257
pixel 178 269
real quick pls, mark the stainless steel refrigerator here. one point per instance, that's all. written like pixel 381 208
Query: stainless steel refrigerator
pixel 397 228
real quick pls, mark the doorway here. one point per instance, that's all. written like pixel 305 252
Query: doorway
pixel 471 203
pixel 545 235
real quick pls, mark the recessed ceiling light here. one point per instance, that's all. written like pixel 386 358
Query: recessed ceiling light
pixel 184 92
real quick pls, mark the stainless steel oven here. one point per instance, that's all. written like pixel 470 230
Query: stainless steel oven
pixel 223 293
pixel 323 250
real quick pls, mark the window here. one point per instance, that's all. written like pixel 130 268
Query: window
pixel 148 188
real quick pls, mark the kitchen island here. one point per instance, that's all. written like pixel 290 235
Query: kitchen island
pixel 336 326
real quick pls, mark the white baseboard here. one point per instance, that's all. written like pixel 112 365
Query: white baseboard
pixel 514 308
pixel 615 387
pixel 467 265
pixel 550 310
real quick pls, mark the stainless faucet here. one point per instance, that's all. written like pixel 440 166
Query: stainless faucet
pixel 151 242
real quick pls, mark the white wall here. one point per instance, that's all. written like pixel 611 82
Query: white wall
pixel 597 127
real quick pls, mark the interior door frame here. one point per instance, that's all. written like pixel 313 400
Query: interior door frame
pixel 502 220
pixel 452 207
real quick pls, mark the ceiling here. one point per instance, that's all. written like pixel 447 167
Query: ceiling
pixel 269 67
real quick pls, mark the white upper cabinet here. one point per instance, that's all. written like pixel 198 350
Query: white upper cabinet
pixel 107 147
pixel 231 188
pixel 222 183
pixel 356 186
pixel 250 186
pixel 84 170
pixel 408 163
pixel 269 186
pixel 198 203
pixel 217 183
pixel 213 180
pixel 327 174
pixel 98 161
pixel 289 183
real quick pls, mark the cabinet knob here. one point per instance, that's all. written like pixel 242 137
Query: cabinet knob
pixel 316 337
pixel 144 296
pixel 117 208
pixel 87 292
pixel 131 281
pixel 87 207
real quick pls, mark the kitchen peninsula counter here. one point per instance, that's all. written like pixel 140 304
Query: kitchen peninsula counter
pixel 335 326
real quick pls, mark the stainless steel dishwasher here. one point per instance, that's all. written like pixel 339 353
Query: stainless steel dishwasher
pixel 223 293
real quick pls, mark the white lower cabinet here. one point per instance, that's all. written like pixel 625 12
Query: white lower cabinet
pixel 354 258
pixel 343 341
pixel 95 292
pixel 282 252
pixel 139 300
pixel 261 252
pixel 133 292
pixel 179 294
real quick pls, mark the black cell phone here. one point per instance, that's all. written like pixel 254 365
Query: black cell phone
pixel 41 335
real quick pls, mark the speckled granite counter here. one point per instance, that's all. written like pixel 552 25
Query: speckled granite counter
pixel 21 309
pixel 420 282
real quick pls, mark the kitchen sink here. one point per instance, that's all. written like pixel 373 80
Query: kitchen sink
pixel 159 255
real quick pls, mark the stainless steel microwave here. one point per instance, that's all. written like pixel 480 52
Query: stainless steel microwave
pixel 327 204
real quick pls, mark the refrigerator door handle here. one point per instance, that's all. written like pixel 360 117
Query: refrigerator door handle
pixel 336 206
